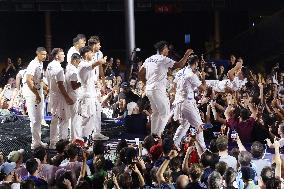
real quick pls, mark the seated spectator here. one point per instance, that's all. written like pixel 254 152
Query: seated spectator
pixel 135 122
pixel 33 168
pixel 222 145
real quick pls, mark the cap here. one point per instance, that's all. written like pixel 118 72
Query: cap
pixel 15 155
pixel 7 167
pixel 130 107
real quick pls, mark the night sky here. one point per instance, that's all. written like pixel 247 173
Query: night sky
pixel 21 33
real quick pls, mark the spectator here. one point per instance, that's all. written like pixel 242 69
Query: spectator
pixel 32 166
pixel 8 175
pixel 230 178
pixel 222 145
pixel 215 180
pixel 195 172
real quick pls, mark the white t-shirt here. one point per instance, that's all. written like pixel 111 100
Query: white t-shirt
pixel 230 160
pixel 157 67
pixel 187 82
pixel 70 52
pixel 86 79
pixel 71 75
pixel 54 74
pixel 34 69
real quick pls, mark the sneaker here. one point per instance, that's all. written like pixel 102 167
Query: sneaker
pixel 99 136
pixel 43 123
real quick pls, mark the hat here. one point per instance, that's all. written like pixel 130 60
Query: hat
pixel 124 85
pixel 15 155
pixel 130 107
pixel 7 167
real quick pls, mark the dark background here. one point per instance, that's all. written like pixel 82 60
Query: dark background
pixel 22 31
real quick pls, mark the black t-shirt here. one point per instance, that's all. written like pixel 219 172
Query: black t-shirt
pixel 136 123
pixel 131 97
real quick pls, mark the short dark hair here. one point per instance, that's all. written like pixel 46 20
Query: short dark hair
pixel 78 37
pixel 167 145
pixel 213 146
pixel 40 153
pixel 273 183
pixel 55 52
pixel 209 159
pixel 257 150
pixel 230 176
pixel 31 165
pixel 149 141
pixel 93 40
pixel 61 145
pixel 75 56
pixel 195 171
pixel 215 180
pixel 193 60
pixel 222 143
pixel 84 50
pixel 40 49
pixel 159 46
pixel 247 173
pixel 98 148
pixel 72 151
pixel 244 114
pixel 221 167
pixel 266 174
pixel 244 158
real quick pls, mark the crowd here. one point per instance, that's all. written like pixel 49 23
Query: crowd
pixel 243 120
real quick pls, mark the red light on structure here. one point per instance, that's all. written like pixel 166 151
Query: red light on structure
pixel 164 8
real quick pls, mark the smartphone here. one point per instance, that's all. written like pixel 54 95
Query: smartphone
pixel 234 135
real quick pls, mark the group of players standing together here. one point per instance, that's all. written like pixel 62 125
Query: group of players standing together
pixel 74 97
pixel 74 94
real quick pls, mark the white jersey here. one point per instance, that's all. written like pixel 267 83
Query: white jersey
pixel 54 74
pixel 86 79
pixel 71 51
pixel 71 75
pixel 35 68
pixel 187 82
pixel 156 71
